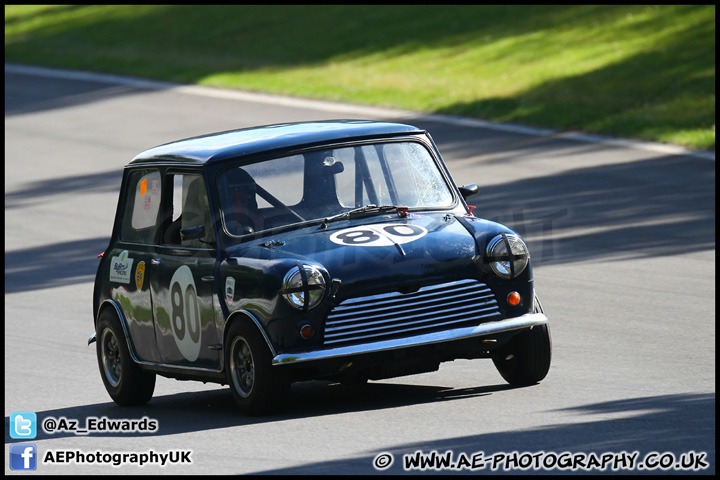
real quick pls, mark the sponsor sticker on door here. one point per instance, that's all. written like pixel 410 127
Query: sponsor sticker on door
pixel 121 268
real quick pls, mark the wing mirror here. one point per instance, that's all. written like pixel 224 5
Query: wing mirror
pixel 468 190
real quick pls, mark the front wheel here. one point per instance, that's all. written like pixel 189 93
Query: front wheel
pixel 124 380
pixel 525 360
pixel 256 385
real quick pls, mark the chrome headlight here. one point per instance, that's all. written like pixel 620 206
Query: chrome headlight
pixel 303 289
pixel 508 255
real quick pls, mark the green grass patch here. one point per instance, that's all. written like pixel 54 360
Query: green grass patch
pixel 634 71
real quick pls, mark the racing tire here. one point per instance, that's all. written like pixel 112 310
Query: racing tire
pixel 124 380
pixel 525 360
pixel 257 387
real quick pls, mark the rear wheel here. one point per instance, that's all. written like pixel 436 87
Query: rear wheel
pixel 256 385
pixel 525 360
pixel 124 380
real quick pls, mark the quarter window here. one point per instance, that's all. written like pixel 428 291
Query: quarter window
pixel 141 207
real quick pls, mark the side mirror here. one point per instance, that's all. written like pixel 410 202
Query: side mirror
pixel 468 190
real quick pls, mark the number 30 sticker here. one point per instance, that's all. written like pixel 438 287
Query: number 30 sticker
pixel 378 235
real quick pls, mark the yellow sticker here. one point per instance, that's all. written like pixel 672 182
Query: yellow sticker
pixel 140 275
pixel 143 186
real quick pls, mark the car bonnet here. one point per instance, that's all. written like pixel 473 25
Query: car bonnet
pixel 379 250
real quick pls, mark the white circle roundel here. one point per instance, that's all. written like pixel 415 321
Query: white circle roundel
pixel 185 313
pixel 378 235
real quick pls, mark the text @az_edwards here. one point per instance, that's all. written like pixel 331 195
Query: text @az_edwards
pixel 51 425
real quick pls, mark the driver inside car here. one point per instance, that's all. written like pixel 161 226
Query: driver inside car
pixel 244 215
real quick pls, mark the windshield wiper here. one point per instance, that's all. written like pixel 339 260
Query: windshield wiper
pixel 358 211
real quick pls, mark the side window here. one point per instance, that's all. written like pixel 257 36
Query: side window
pixel 190 212
pixel 142 205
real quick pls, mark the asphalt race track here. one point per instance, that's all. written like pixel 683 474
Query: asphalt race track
pixel 623 244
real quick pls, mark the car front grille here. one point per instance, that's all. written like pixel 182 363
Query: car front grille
pixel 395 314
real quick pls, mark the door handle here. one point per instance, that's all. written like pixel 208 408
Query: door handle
pixel 155 261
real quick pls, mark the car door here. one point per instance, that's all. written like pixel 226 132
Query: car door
pixel 182 282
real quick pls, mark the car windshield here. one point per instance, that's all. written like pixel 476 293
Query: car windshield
pixel 331 184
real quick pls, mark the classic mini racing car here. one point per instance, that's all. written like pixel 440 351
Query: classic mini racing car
pixel 338 250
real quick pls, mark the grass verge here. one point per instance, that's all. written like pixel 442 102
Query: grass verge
pixel 633 71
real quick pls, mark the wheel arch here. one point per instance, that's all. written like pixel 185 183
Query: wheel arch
pixel 244 316
pixel 113 306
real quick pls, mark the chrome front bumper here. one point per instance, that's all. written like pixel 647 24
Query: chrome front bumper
pixel 489 328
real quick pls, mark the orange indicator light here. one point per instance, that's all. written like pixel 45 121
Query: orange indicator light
pixel 513 299
pixel 306 332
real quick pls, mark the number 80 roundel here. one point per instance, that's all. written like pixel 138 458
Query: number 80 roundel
pixel 378 235
pixel 185 313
